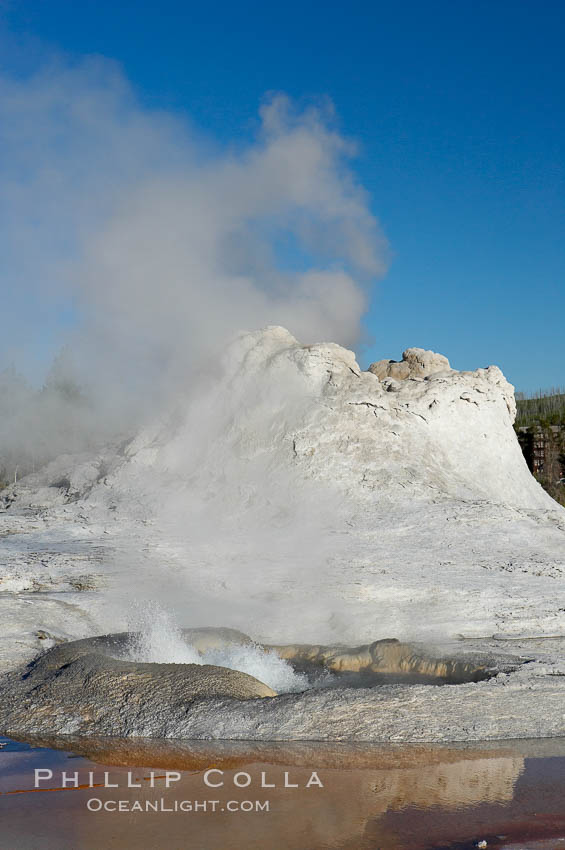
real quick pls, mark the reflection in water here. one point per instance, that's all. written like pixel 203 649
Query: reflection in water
pixel 373 796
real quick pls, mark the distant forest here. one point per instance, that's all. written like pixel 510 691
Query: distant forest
pixel 544 407
pixel 540 426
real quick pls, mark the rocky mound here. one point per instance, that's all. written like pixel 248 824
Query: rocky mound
pixel 86 688
pixel 412 428
pixel 415 363
pixel 89 687
pixel 292 490
pixel 310 411
pixel 88 684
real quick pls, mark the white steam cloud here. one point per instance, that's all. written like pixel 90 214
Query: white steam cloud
pixel 165 244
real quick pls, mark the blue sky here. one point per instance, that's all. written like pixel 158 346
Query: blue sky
pixel 458 109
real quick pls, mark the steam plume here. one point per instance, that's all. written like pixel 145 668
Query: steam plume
pixel 157 244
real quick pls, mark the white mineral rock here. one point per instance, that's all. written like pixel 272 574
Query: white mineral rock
pixel 299 498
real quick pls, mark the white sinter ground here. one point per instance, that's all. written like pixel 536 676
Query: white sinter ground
pixel 298 499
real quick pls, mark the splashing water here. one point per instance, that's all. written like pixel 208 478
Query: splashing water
pixel 159 640
pixel 264 665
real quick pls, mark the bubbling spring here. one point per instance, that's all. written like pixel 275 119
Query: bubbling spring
pixel 156 638
pixel 159 639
